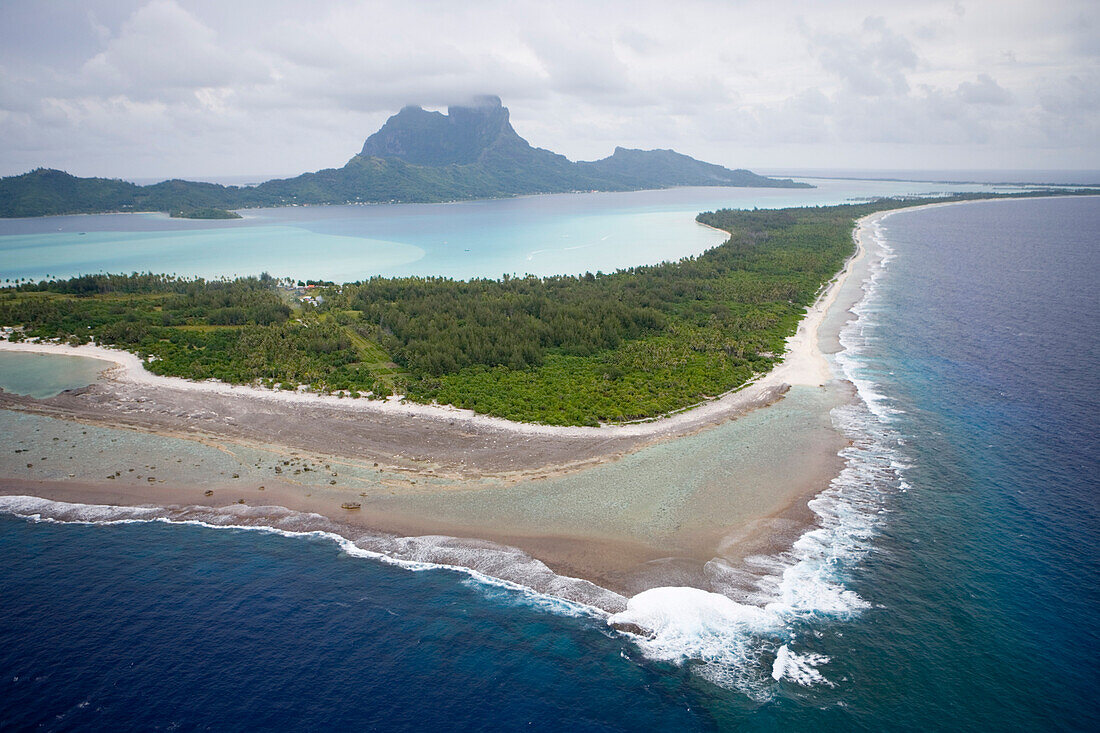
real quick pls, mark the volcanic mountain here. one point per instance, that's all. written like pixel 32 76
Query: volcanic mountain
pixel 417 156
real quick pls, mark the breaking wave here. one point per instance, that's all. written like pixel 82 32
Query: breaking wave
pixel 765 637
pixel 755 635
pixel 488 564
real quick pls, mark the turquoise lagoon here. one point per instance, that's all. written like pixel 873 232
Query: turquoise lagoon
pixel 540 235
pixel 46 375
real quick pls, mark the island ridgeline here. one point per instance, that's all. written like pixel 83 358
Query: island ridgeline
pixel 471 152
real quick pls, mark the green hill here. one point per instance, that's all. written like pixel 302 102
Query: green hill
pixel 471 152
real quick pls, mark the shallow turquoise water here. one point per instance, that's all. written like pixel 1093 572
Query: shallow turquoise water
pixel 46 375
pixel 541 235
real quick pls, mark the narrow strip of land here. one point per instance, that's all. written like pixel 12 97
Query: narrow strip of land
pixel 647 511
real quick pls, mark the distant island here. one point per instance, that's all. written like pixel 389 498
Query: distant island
pixel 418 156
pixel 203 213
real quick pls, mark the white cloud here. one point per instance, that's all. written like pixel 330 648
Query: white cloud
pixel 200 87
pixel 163 48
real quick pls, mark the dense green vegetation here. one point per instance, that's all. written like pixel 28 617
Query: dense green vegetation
pixel 206 212
pixel 561 350
pixel 420 156
pixel 238 331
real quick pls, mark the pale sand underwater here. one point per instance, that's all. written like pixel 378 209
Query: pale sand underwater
pixel 627 507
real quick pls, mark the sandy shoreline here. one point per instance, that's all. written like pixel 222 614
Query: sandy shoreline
pixel 803 364
pixel 404 436
pixel 627 507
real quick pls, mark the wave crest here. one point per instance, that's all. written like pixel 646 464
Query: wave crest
pixel 486 563
pixel 762 641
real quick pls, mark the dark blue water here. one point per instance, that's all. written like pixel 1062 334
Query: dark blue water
pixel 145 626
pixel 986 577
pixel 980 588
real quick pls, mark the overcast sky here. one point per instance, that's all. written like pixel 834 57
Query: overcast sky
pixel 204 88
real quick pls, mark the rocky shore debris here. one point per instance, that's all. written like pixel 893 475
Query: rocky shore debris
pixel 632 628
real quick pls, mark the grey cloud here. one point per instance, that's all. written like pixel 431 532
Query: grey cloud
pixel 1072 96
pixel 638 42
pixel 984 91
pixel 872 62
pixel 190 87
pixel 578 63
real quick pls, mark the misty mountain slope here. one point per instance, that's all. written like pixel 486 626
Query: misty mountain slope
pixel 417 156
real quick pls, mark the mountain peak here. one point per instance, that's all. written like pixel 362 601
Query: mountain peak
pixel 417 136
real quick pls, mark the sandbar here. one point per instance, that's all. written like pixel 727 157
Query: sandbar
pixel 610 510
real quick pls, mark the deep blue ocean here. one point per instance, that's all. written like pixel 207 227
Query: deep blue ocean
pixel 966 563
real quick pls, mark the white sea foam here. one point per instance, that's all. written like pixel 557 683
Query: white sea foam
pixel 719 636
pixel 729 638
pixel 741 638
pixel 489 566
pixel 800 668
